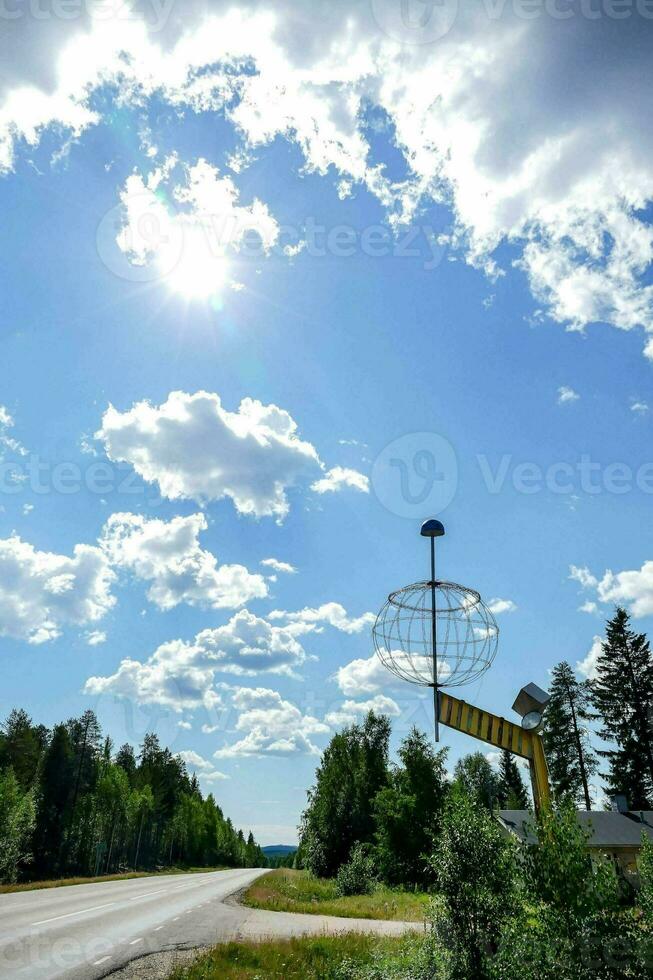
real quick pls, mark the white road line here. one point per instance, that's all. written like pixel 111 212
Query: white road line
pixel 103 960
pixel 134 941
pixel 159 891
pixel 95 908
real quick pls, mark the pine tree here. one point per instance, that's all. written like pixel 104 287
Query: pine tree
pixel 622 694
pixel 512 792
pixel 570 758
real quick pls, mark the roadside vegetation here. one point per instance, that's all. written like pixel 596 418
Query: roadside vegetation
pixel 298 891
pixel 324 958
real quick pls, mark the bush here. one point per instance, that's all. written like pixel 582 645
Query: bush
pixel 357 876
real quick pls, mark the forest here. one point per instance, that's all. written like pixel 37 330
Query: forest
pixel 70 806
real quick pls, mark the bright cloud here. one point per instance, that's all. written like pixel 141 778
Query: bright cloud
pixel 518 161
pixel 498 606
pixel 631 588
pixel 193 448
pixel 271 726
pixel 7 441
pixel 587 666
pixel 194 760
pixel 566 395
pixel 181 674
pixel 283 567
pixel 42 592
pixel 168 554
pixel 340 477
pixel 307 620
pixel 351 712
pixel 362 676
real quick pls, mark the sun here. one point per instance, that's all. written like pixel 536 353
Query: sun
pixel 201 271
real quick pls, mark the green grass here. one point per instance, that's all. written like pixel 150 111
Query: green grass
pixel 297 891
pixel 28 886
pixel 309 958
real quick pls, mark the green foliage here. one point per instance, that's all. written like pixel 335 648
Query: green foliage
pixel 622 694
pixel 474 866
pixel 94 814
pixel 569 926
pixel 569 756
pixel 407 813
pixel 357 876
pixel 16 825
pixel 558 869
pixel 512 792
pixel 474 774
pixel 298 891
pixel 339 814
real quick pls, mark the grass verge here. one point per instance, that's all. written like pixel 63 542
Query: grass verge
pixel 28 886
pixel 309 958
pixel 297 891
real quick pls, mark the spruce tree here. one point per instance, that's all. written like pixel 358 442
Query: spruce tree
pixel 512 792
pixel 569 756
pixel 622 694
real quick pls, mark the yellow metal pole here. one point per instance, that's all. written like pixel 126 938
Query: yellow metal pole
pixel 503 734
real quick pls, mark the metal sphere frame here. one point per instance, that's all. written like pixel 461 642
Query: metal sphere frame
pixel 435 633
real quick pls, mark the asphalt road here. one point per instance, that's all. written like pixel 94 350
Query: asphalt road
pixel 82 932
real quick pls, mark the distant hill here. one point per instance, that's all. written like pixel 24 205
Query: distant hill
pixel 279 850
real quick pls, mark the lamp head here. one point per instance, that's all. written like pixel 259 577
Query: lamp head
pixel 432 529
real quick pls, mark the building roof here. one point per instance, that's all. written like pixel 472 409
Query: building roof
pixel 609 829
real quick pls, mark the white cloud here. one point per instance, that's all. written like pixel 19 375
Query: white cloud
pixel 338 477
pixel 587 666
pixel 498 606
pixel 7 441
pixel 631 588
pixel 193 448
pixel 282 567
pixel 214 776
pixel 306 620
pixel 189 244
pixel 583 576
pixel 42 592
pixel 639 407
pixel 181 674
pixel 351 712
pixel 194 760
pixel 362 676
pixel 519 161
pixel 95 637
pixel 588 607
pixel 168 555
pixel 567 394
pixel 271 726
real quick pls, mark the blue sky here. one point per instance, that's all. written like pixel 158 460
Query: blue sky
pixel 463 343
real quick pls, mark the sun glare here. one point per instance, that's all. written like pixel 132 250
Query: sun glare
pixel 199 274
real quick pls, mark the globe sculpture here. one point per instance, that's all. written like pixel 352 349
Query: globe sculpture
pixel 435 633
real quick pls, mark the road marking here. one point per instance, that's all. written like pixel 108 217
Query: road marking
pixel 95 908
pixel 160 891
pixel 134 941
pixel 103 960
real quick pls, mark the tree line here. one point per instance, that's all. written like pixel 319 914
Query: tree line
pixel 70 806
